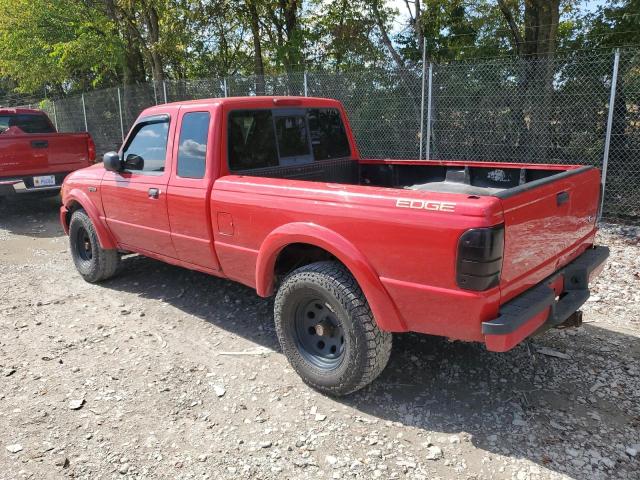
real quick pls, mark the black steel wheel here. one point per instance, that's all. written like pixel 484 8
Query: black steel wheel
pixel 319 333
pixel 83 244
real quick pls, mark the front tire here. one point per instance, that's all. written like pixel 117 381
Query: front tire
pixel 327 331
pixel 93 262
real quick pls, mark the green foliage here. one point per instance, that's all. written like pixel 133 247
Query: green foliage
pixel 64 46
pixel 61 43
pixel 341 36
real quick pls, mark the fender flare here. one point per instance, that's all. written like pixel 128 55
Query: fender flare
pixel 104 236
pixel 382 306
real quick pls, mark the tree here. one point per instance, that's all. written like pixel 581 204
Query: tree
pixel 342 36
pixel 541 19
pixel 380 14
pixel 58 45
pixel 258 63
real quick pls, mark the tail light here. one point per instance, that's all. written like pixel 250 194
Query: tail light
pixel 91 148
pixel 480 253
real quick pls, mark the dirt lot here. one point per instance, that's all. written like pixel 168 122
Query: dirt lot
pixel 134 378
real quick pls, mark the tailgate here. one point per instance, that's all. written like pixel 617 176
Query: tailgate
pixel 547 224
pixel 37 153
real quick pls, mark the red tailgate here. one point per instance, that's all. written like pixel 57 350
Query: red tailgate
pixel 33 154
pixel 69 151
pixel 547 224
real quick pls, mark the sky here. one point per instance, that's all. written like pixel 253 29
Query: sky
pixel 586 6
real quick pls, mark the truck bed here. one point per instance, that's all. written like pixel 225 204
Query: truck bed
pixel 469 178
pixel 549 211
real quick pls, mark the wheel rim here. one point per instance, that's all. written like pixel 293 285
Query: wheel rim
pixel 83 245
pixel 319 334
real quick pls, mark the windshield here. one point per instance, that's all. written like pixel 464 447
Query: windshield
pixel 27 122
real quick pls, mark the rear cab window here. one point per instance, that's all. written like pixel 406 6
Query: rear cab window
pixel 26 122
pixel 284 137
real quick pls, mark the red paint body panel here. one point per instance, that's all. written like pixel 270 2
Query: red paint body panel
pixel 404 259
pixel 82 191
pixel 540 236
pixel 35 154
pixel 188 201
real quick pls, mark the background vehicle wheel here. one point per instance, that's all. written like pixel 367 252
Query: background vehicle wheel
pixel 92 261
pixel 326 329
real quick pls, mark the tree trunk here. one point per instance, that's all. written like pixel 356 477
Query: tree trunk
pixel 385 35
pixel 153 27
pixel 541 27
pixel 537 49
pixel 290 12
pixel 257 46
pixel 132 60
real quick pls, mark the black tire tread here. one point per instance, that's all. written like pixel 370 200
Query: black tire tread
pixel 107 260
pixel 334 277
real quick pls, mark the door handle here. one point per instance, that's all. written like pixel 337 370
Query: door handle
pixel 154 192
pixel 39 144
pixel 562 198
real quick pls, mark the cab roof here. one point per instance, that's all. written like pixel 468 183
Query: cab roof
pixel 20 111
pixel 248 102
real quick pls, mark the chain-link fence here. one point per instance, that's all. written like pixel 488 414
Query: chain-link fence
pixel 508 110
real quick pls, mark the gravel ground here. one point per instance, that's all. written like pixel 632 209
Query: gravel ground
pixel 166 373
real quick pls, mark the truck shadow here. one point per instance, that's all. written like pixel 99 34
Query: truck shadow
pixel 31 216
pixel 571 415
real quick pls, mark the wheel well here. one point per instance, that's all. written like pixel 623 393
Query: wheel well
pixel 72 207
pixel 296 255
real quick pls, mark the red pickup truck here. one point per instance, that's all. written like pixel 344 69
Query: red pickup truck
pixel 34 158
pixel 272 192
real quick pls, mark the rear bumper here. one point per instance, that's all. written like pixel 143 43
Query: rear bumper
pixel 24 185
pixel 547 305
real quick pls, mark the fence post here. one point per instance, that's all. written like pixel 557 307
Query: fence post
pixel 607 140
pixel 224 85
pixel 164 90
pixel 55 115
pixel 155 91
pixel 429 102
pixel 120 110
pixel 84 112
pixel 305 84
pixel 424 72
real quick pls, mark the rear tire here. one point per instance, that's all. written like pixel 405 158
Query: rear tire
pixel 93 262
pixel 327 331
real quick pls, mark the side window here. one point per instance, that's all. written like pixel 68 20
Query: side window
pixel 147 150
pixel 192 149
pixel 328 135
pixel 251 140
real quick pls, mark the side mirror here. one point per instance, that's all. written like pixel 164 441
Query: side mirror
pixel 111 162
pixel 133 162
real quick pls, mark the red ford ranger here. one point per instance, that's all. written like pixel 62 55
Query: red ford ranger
pixel 34 158
pixel 272 193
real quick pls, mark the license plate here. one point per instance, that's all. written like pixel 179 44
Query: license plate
pixel 44 181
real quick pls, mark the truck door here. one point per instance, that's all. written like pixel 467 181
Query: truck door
pixel 135 200
pixel 189 185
